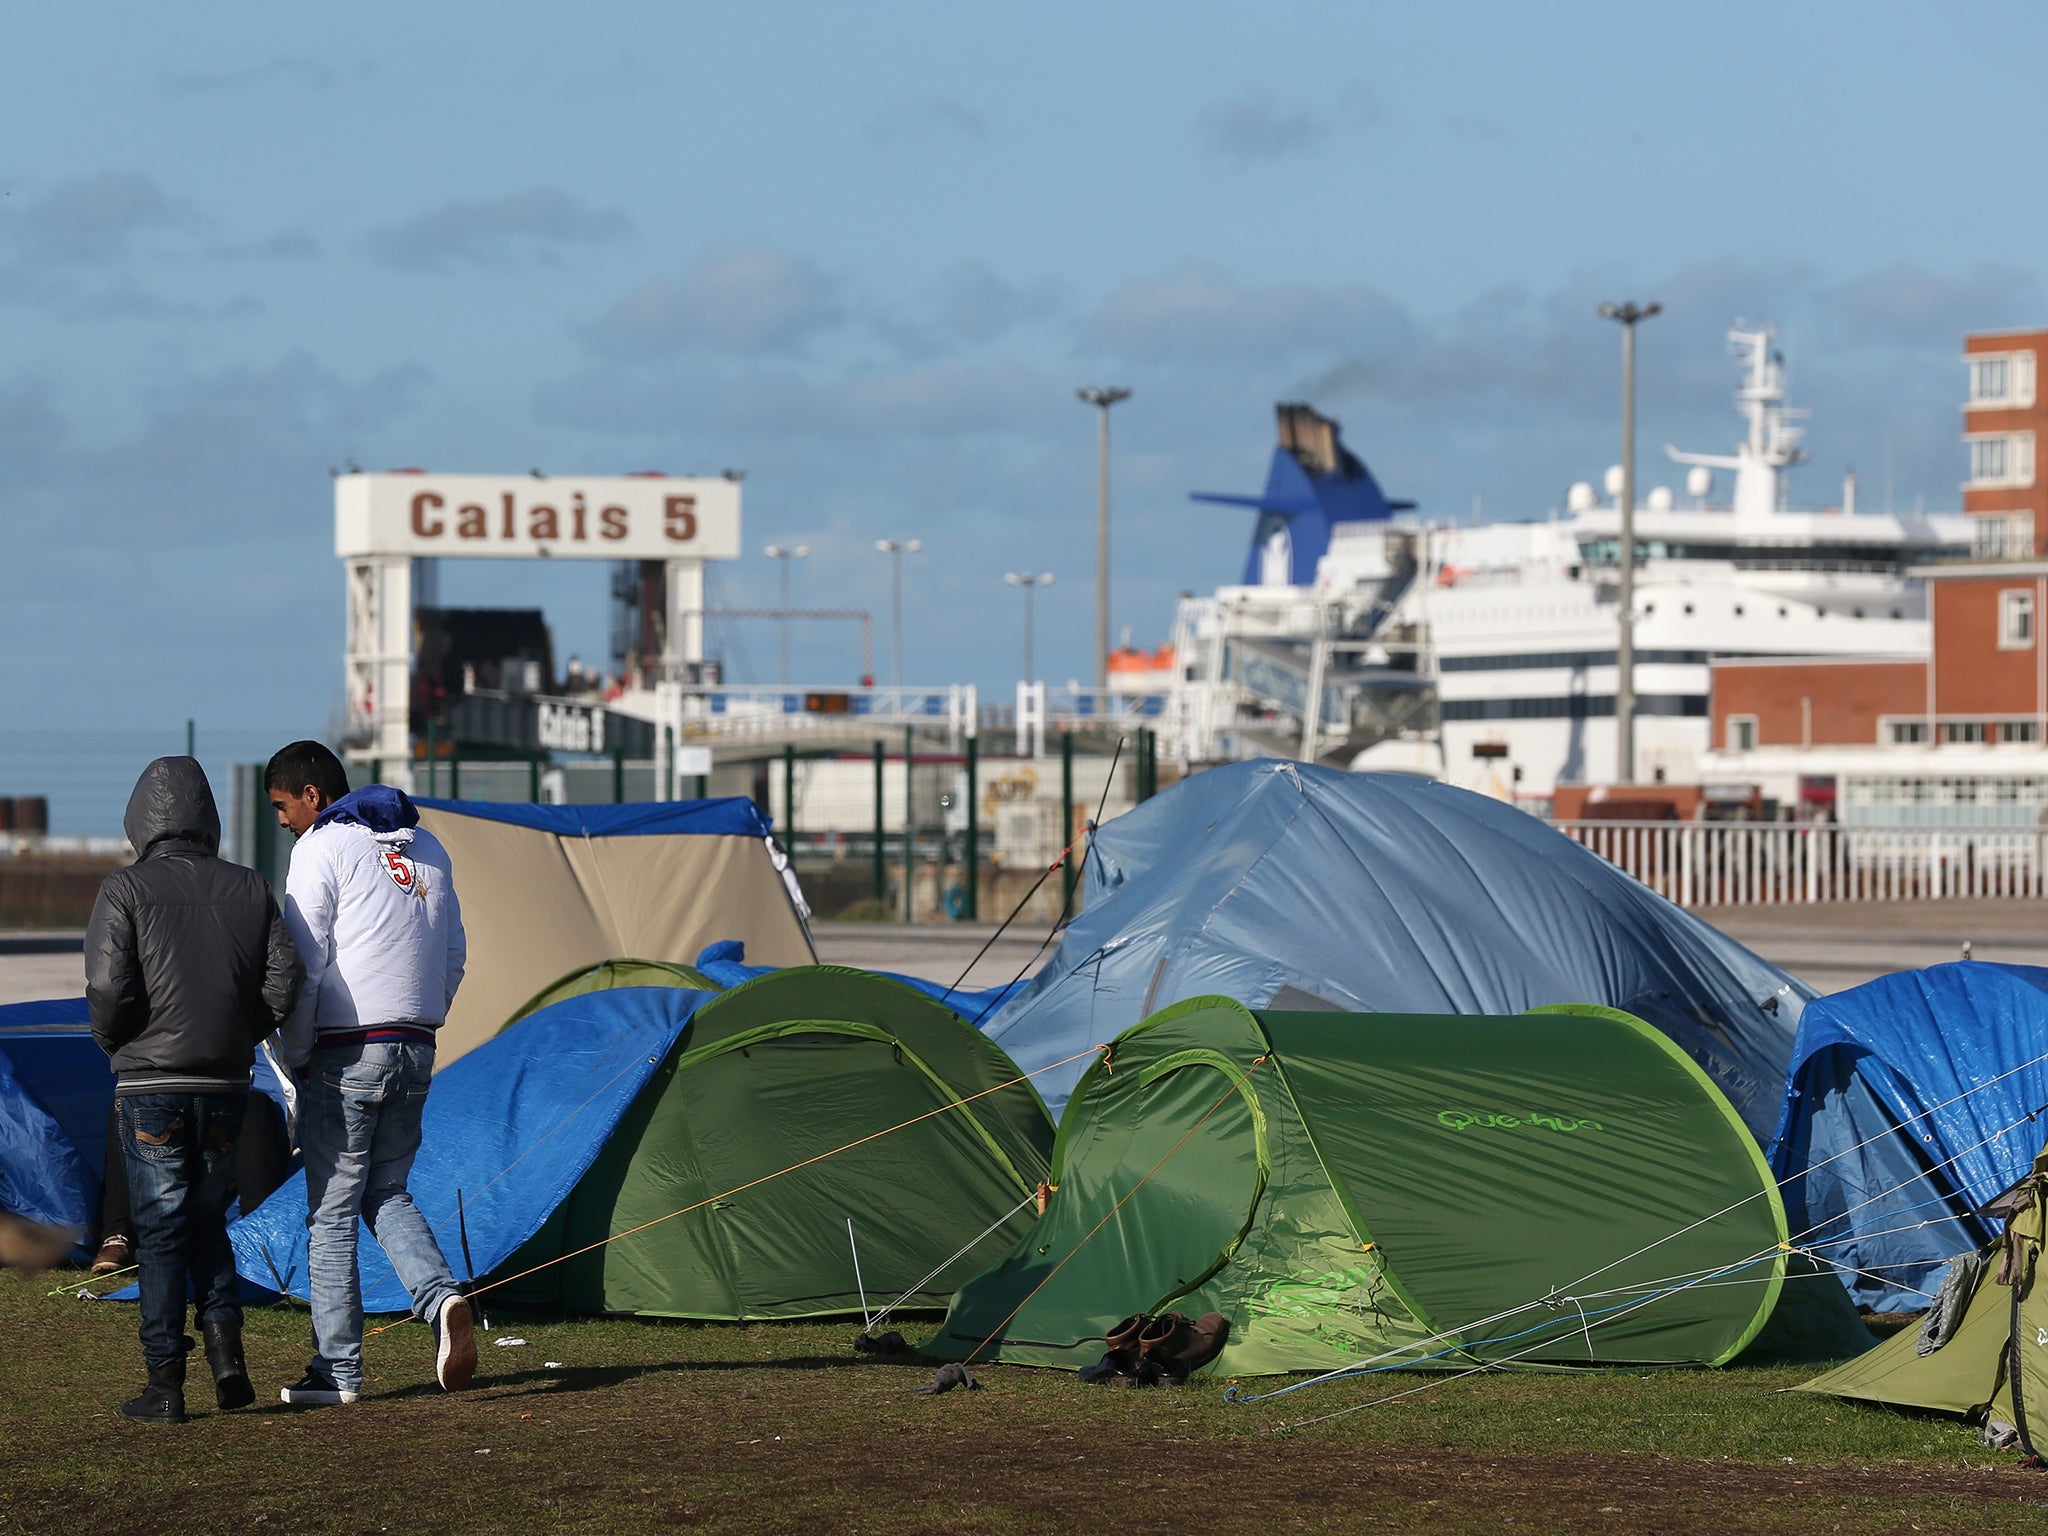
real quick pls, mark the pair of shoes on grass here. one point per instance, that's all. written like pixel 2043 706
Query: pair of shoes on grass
pixel 1143 1350
pixel 454 1362
pixel 163 1400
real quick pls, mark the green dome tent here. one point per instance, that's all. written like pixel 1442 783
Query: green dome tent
pixel 946 1147
pixel 1991 1362
pixel 606 974
pixel 1413 1189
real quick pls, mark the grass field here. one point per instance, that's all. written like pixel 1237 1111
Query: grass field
pixel 642 1426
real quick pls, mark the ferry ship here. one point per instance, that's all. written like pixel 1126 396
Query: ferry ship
pixel 1485 654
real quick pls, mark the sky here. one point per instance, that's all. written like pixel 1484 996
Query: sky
pixel 867 254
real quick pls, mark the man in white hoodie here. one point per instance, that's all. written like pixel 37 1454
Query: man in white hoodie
pixel 370 902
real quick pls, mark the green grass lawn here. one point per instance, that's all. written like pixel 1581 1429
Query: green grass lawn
pixel 644 1426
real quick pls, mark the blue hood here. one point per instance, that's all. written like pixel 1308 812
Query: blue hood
pixel 376 806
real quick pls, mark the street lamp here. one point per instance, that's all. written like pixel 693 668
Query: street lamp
pixel 1030 584
pixel 897 549
pixel 1626 316
pixel 1102 400
pixel 783 554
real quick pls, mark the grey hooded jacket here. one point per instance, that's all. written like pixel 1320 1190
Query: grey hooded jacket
pixel 188 963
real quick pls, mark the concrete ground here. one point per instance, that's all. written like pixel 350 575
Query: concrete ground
pixel 1828 947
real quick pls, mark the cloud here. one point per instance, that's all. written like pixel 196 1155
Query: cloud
pixel 528 226
pixel 1904 304
pixel 299 74
pixel 1477 129
pixel 927 120
pixel 1202 314
pixel 88 220
pixel 31 429
pixel 1256 129
pixel 734 299
pixel 281 245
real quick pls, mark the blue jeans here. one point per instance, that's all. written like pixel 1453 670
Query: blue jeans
pixel 359 1126
pixel 180 1159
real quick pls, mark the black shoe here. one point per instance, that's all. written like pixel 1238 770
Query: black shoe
pixel 231 1387
pixel 163 1400
pixel 314 1390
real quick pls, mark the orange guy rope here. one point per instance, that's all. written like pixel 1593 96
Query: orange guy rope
pixel 765 1178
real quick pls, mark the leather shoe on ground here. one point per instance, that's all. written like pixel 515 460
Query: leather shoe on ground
pixel 115 1253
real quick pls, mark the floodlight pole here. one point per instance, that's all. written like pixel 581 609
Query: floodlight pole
pixel 782 554
pixel 1102 400
pixel 1626 315
pixel 896 549
pixel 1030 584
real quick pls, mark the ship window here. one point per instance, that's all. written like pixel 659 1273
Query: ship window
pixel 1688 610
pixel 1738 610
pixel 2015 620
pixel 1781 611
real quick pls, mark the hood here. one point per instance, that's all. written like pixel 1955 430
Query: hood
pixel 172 800
pixel 377 806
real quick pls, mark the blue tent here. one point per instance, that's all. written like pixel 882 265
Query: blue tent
pixel 1910 1102
pixel 508 1130
pixel 55 1091
pixel 726 963
pixel 1288 886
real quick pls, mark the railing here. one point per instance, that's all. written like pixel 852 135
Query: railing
pixel 1711 864
pixel 776 712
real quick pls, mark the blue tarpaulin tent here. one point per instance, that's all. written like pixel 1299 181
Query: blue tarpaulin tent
pixel 1911 1101
pixel 55 1091
pixel 509 1129
pixel 1288 886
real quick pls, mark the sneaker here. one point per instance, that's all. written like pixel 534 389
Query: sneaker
pixel 313 1390
pixel 455 1360
pixel 115 1253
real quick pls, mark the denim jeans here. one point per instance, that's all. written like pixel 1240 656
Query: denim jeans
pixel 180 1157
pixel 359 1126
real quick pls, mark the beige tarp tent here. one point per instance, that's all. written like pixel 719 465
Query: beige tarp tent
pixel 548 888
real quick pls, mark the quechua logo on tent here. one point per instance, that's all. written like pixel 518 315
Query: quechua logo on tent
pixel 1459 1119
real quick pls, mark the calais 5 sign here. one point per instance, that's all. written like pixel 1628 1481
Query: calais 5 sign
pixel 632 517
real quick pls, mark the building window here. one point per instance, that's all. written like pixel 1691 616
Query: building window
pixel 1962 731
pixel 2002 379
pixel 2015 620
pixel 1742 733
pixel 1906 733
pixel 2020 730
pixel 2002 458
pixel 2002 536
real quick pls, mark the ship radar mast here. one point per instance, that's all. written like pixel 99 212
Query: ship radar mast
pixel 1772 444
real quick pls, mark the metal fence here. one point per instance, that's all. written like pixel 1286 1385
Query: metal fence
pixel 1715 864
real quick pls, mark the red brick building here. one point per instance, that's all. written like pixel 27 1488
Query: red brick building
pixel 1964 728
